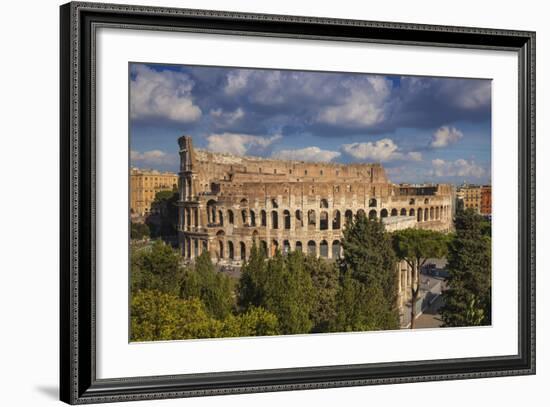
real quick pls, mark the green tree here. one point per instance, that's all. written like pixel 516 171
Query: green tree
pixel 256 321
pixel 156 315
pixel 139 230
pixel 156 269
pixel 213 288
pixel 252 280
pixel 163 220
pixel 416 246
pixel 325 279
pixel 368 259
pixel 468 298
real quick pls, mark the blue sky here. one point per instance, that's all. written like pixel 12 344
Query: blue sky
pixel 422 129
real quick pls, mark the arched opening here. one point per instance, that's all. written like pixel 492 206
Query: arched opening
pixel 274 203
pixel 230 217
pixel 336 249
pixel 411 212
pixel 220 249
pixel 426 214
pixel 311 221
pixel 432 213
pixel 394 212
pixel 211 211
pixel 263 247
pixel 323 220
pixel 255 235
pixel 372 214
pixel 231 250
pixel 274 247
pixel 349 216
pixel 286 218
pixel 384 213
pixel 299 221
pixel 298 246
pixel 323 203
pixel 252 218
pixel 311 248
pixel 244 203
pixel 426 201
pixel 323 248
pixel 263 218
pixel 420 213
pixel 360 213
pixel 403 212
pixel 372 203
pixel 336 219
pixel 243 251
pixel 220 217
pixel 244 216
pixel 411 201
pixel 274 220
pixel 286 247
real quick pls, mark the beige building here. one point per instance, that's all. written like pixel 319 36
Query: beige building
pixel 144 185
pixel 471 197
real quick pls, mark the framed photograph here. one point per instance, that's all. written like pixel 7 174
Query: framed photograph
pixel 254 203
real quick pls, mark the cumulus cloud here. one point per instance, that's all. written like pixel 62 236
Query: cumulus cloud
pixel 239 144
pixel 365 105
pixel 382 150
pixel 457 168
pixel 307 154
pixel 444 136
pixel 224 118
pixel 237 81
pixel 152 158
pixel 162 95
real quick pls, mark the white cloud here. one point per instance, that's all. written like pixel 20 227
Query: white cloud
pixel 382 150
pixel 239 144
pixel 226 118
pixel 444 136
pixel 164 95
pixel 236 81
pixel 457 168
pixel 152 158
pixel 307 154
pixel 365 105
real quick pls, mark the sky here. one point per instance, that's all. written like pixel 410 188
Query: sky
pixel 421 129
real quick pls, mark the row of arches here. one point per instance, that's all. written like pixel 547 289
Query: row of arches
pixel 298 220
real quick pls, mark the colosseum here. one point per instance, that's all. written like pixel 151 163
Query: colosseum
pixel 228 202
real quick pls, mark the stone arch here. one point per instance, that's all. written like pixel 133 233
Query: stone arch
pixel 323 203
pixel 372 214
pixel 412 201
pixel 372 203
pixel 426 214
pixel 274 203
pixel 211 211
pixel 244 203
pixel 263 247
pixel 336 249
pixel 311 219
pixel 255 235
pixel 230 217
pixel 323 220
pixel 394 212
pixel 252 218
pixel 420 216
pixel 384 213
pixel 403 212
pixel 231 250
pixel 432 213
pixel 426 201
pixel 336 220
pixel 411 212
pixel 242 251
pixel 220 217
pixel 286 219
pixel 312 247
pixel 220 249
pixel 437 212
pixel 244 216
pixel 348 214
pixel 274 247
pixel 323 248
pixel 298 246
pixel 274 220
pixel 263 218
pixel 286 247
pixel 299 221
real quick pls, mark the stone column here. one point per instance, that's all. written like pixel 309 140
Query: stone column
pixel 329 249
pixel 317 221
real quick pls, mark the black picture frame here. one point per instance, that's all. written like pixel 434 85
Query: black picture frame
pixel 78 382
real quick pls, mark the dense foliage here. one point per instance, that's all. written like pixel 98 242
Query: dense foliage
pixel 468 298
pixel 139 231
